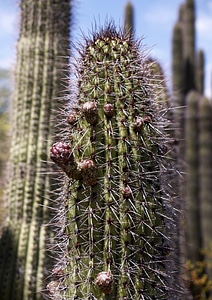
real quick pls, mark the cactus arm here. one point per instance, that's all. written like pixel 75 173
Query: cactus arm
pixel 200 72
pixel 189 45
pixel 192 158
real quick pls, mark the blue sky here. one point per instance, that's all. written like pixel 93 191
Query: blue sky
pixel 154 21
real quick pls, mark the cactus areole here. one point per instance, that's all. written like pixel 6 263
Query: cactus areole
pixel 115 211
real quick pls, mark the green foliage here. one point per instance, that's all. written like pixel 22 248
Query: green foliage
pixel 115 210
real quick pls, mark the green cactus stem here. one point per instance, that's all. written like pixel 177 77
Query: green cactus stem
pixel 118 223
pixel 129 19
pixel 177 62
pixel 189 45
pixel 42 52
pixel 200 72
pixel 194 233
pixel 205 174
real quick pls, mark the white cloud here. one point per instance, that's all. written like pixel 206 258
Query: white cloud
pixel 204 24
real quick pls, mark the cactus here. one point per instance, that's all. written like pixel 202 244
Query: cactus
pixel 194 233
pixel 198 157
pixel 185 77
pixel 189 45
pixel 205 174
pixel 178 81
pixel 177 61
pixel 129 19
pixel 200 72
pixel 42 53
pixel 115 209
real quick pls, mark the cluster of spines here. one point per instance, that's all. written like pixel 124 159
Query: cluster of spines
pixel 115 211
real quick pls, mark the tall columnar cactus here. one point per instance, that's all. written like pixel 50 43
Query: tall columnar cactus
pixel 178 81
pixel 186 76
pixel 177 61
pixel 205 175
pixel 194 232
pixel 189 44
pixel 199 169
pixel 200 78
pixel 129 19
pixel 116 217
pixel 184 50
pixel 42 52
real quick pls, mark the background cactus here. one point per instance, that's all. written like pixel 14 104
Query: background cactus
pixel 129 19
pixel 200 72
pixel 188 90
pixel 205 175
pixel 199 168
pixel 42 53
pixel 194 232
pixel 189 44
pixel 115 242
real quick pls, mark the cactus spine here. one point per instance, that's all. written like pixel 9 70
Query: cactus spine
pixel 116 213
pixel 42 53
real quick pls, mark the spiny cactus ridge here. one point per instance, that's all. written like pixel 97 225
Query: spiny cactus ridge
pixel 115 213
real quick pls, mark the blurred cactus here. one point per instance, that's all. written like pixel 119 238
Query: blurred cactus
pixel 42 54
pixel 200 72
pixel 188 88
pixel 199 169
pixel 189 45
pixel 194 233
pixel 129 19
pixel 205 175
pixel 116 213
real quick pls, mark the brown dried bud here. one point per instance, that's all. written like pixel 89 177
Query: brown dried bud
pixel 147 119
pixel 90 112
pixel 109 110
pixel 61 154
pixel 138 124
pixel 72 118
pixel 104 280
pixel 126 192
pixel 88 171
